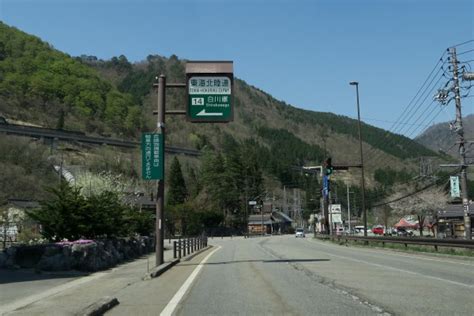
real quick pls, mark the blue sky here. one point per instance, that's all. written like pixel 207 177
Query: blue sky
pixel 302 52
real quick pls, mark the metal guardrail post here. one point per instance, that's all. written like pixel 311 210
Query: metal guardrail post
pixel 174 249
pixel 188 244
pixel 180 247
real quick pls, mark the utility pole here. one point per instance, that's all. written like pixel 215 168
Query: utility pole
pixel 160 184
pixel 294 205
pixel 356 84
pixel 326 202
pixel 348 208
pixel 300 215
pixel 462 151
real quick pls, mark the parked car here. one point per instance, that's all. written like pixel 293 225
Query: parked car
pixel 402 232
pixel 377 230
pixel 339 231
pixel 300 233
pixel 359 230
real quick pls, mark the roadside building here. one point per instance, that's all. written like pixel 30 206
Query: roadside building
pixel 450 222
pixel 14 220
pixel 270 223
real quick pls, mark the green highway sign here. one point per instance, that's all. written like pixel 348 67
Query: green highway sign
pixel 209 86
pixel 209 98
pixel 152 156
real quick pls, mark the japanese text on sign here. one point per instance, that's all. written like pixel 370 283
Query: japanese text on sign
pixel 206 85
pixel 152 156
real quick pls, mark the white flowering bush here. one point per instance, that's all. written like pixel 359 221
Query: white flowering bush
pixel 97 183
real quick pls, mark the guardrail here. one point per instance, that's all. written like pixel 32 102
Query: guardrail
pixel 456 243
pixel 186 246
pixel 41 132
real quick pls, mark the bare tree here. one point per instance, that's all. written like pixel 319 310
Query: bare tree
pixel 423 204
pixel 384 214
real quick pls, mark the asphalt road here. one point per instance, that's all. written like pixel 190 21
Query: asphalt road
pixel 282 275
pixel 277 275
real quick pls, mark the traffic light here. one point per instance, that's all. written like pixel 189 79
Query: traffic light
pixel 329 167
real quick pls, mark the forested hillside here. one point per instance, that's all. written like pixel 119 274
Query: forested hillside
pixel 44 86
pixel 265 145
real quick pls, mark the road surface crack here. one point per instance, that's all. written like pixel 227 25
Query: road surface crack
pixel 338 288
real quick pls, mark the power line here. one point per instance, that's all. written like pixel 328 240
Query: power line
pixel 408 195
pixel 463 43
pixel 465 52
pixel 392 140
pixel 388 134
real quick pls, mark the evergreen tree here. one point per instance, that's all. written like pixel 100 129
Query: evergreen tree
pixel 178 192
pixel 61 216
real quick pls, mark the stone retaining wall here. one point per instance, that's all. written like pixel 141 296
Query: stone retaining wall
pixel 94 256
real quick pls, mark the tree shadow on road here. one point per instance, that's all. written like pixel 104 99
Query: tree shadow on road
pixel 259 260
pixel 28 275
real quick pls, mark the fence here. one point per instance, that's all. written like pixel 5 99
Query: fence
pixel 186 246
pixel 457 243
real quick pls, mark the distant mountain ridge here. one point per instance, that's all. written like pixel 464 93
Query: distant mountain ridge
pixel 44 86
pixel 439 137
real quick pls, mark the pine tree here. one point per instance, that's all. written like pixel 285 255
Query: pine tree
pixel 178 192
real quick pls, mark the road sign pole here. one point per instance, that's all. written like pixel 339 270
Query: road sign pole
pixel 160 184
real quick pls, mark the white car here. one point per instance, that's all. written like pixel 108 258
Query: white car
pixel 300 233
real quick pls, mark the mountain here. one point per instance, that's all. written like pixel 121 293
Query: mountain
pixel 259 115
pixel 42 86
pixel 439 137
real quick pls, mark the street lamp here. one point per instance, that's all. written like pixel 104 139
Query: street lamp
pixel 356 84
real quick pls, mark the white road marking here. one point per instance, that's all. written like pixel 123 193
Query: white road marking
pixel 173 303
pixel 402 270
pixel 415 256
pixel 55 290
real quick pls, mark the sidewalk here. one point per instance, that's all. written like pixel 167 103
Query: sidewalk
pixel 70 297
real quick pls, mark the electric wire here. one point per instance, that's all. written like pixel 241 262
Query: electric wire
pixel 463 43
pixel 465 52
pixel 398 128
pixel 392 140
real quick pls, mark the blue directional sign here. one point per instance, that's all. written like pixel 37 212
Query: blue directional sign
pixel 325 186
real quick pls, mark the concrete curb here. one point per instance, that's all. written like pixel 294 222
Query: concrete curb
pixel 99 307
pixel 194 254
pixel 157 271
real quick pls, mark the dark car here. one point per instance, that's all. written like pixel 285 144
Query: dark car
pixel 402 232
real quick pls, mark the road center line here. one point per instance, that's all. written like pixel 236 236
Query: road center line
pixel 414 257
pixel 173 303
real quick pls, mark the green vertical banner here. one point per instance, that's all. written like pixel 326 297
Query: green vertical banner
pixel 152 156
pixel 455 192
